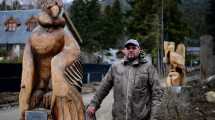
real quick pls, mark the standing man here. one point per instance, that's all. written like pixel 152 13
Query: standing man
pixel 136 87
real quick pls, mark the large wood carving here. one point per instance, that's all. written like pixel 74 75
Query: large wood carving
pixel 51 67
pixel 175 60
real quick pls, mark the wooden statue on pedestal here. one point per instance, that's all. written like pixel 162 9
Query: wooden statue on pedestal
pixel 51 73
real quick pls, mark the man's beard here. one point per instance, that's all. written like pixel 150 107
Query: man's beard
pixel 132 58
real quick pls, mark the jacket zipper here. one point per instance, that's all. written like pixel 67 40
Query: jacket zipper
pixel 127 90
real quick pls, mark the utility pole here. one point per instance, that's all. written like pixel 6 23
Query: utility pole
pixel 11 2
pixel 161 49
pixel 5 5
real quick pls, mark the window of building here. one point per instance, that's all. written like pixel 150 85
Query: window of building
pixel 11 24
pixel 31 23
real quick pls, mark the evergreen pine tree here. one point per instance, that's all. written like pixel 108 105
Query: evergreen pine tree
pixel 98 30
pixel 112 25
pixel 175 29
pixel 210 18
pixel 144 23
pixel 85 16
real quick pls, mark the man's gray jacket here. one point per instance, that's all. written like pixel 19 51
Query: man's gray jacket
pixel 136 90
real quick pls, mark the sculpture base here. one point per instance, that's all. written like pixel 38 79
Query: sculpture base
pixel 38 114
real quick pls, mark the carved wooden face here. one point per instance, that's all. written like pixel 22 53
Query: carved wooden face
pixel 54 11
pixel 47 3
pixel 174 76
pixel 174 79
pixel 52 7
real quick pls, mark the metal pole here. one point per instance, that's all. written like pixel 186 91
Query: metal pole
pixel 161 49
pixel 5 5
pixel 12 5
pixel 88 77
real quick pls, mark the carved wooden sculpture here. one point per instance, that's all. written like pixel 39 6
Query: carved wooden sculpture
pixel 175 60
pixel 51 68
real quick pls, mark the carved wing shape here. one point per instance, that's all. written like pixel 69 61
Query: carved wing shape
pixel 74 74
pixel 181 49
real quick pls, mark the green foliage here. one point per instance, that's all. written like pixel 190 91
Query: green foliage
pixel 4 57
pixel 194 13
pixel 85 16
pixel 145 20
pixel 144 23
pixel 4 6
pixel 112 25
pixel 101 30
pixel 98 30
pixel 211 17
pixel 3 52
pixel 17 60
pixel 15 5
pixel 175 28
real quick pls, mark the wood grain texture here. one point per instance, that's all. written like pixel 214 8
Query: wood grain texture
pixel 49 51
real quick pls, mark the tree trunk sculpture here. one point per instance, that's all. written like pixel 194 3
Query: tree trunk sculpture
pixel 175 60
pixel 51 67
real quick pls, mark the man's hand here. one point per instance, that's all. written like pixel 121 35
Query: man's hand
pixel 91 110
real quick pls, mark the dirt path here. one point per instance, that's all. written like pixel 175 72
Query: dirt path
pixel 11 113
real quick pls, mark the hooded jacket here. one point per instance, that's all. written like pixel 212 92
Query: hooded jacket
pixel 136 90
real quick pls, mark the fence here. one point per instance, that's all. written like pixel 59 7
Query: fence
pixel 10 75
pixel 94 72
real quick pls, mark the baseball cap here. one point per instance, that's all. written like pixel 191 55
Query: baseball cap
pixel 133 42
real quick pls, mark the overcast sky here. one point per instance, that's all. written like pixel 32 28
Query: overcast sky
pixel 29 1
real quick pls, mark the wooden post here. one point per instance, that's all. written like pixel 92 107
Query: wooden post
pixel 207 57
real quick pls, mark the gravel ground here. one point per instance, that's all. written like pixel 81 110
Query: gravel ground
pixel 10 112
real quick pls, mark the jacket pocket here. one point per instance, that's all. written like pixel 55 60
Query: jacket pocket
pixel 141 80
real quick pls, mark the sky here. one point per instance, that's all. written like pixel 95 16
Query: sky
pixel 36 0
pixel 29 1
